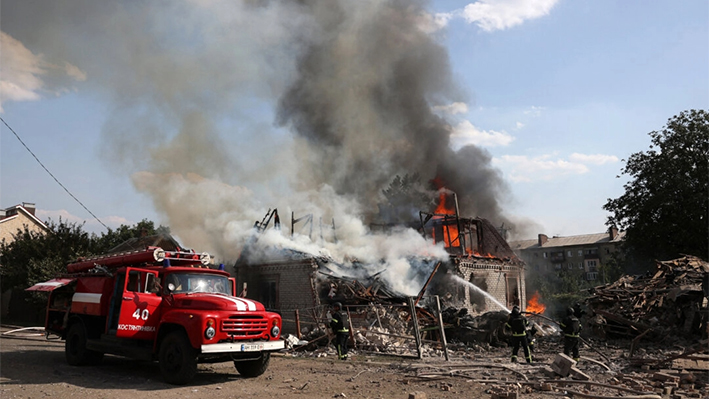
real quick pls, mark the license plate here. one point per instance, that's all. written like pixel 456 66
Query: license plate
pixel 251 347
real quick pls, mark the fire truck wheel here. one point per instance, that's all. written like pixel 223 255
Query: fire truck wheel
pixel 253 368
pixel 178 360
pixel 75 347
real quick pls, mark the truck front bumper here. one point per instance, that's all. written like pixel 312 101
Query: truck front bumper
pixel 229 347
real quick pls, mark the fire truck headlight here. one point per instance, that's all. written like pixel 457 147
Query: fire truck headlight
pixel 275 331
pixel 210 332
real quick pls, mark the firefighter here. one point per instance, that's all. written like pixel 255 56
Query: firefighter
pixel 578 311
pixel 530 337
pixel 340 327
pixel 518 325
pixel 571 326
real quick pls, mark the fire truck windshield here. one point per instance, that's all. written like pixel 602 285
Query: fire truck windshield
pixel 184 283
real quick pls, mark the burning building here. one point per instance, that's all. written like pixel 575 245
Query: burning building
pixel 492 275
pixel 480 272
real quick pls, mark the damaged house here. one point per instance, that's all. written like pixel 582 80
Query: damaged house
pixel 492 274
pixel 481 274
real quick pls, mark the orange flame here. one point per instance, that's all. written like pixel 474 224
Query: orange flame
pixel 442 208
pixel 481 255
pixel 534 306
pixel 450 232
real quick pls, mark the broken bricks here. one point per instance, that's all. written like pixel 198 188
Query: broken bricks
pixel 504 392
pixel 578 374
pixel 562 364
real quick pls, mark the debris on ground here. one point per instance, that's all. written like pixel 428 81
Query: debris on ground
pixel 668 302
pixel 644 341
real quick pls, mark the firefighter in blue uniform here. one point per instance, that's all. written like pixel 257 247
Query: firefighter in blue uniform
pixel 518 325
pixel 340 326
pixel 571 326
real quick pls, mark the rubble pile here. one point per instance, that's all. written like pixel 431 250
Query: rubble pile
pixel 559 375
pixel 385 329
pixel 670 301
pixel 375 328
pixel 358 291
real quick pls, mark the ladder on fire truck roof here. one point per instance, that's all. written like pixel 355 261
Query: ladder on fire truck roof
pixel 150 255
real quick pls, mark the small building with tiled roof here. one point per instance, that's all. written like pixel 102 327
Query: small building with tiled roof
pixel 19 217
pixel 583 253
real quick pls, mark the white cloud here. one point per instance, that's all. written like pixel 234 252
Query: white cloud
pixel 520 168
pixel 24 74
pixel 74 72
pixel 491 15
pixel 452 109
pixel 534 111
pixel 594 159
pixel 520 125
pixel 90 224
pixel 19 81
pixel 465 133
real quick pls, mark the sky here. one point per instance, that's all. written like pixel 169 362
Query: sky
pixel 202 115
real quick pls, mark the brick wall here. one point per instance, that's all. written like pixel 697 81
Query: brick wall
pixel 9 226
pixel 492 279
pixel 294 287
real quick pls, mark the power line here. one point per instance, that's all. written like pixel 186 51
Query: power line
pixel 50 174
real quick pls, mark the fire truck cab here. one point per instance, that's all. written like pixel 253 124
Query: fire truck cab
pixel 159 305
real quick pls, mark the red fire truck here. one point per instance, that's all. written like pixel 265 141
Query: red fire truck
pixel 152 304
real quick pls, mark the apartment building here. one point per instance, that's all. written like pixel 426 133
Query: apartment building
pixel 582 253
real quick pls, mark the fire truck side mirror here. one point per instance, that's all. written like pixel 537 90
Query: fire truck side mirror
pixel 171 287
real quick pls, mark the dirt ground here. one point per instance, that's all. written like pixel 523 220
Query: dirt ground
pixel 33 367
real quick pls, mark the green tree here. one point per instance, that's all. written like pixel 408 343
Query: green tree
pixel 405 196
pixel 34 257
pixel 561 288
pixel 124 232
pixel 666 202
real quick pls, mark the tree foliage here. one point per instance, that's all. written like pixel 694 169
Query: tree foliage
pixel 35 257
pixel 666 202
pixel 407 191
pixel 405 197
pixel 124 232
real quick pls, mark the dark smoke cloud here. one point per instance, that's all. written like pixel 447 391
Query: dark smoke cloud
pixel 362 101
